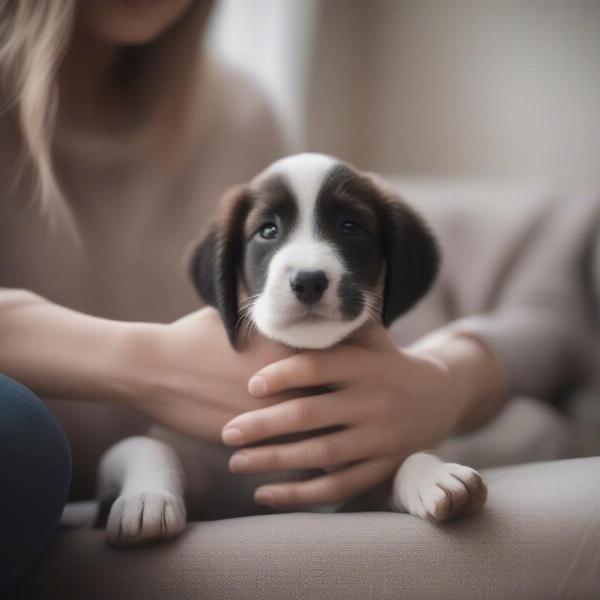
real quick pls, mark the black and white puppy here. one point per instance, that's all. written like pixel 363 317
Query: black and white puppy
pixel 312 237
pixel 307 252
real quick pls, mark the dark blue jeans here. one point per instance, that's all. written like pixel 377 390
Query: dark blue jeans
pixel 35 473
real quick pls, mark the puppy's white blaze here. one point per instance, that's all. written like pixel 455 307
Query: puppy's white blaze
pixel 305 252
pixel 277 312
pixel 305 174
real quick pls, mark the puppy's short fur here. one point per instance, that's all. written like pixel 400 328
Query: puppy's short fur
pixel 312 236
pixel 307 252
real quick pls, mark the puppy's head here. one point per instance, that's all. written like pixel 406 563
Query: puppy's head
pixel 310 250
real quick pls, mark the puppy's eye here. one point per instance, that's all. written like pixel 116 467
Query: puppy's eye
pixel 268 231
pixel 350 228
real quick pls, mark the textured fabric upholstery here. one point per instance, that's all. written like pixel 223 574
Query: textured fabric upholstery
pixel 538 538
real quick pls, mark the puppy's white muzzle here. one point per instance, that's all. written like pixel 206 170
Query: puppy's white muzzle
pixel 296 317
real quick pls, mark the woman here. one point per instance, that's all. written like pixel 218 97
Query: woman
pixel 145 133
pixel 123 169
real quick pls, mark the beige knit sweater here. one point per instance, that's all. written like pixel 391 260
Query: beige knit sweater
pixel 517 274
pixel 139 211
pixel 513 265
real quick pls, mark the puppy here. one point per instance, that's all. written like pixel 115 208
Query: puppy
pixel 314 250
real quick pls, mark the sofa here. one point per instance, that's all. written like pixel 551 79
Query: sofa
pixel 538 537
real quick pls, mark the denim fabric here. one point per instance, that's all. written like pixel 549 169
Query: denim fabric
pixel 35 473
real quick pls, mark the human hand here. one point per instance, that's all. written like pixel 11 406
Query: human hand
pixel 187 376
pixel 389 404
pixel 184 374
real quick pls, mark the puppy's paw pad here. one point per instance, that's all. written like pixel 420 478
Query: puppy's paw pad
pixel 450 491
pixel 145 517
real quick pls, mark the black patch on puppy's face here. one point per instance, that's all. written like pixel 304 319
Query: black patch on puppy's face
pixel 373 247
pixel 215 263
pixel 370 228
pixel 344 217
pixel 274 204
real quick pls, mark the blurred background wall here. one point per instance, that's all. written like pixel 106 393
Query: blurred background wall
pixel 501 89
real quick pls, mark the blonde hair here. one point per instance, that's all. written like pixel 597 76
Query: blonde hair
pixel 33 38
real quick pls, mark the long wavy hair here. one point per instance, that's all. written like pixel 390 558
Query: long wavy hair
pixel 33 38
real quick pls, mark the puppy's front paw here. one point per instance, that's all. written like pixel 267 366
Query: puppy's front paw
pixel 448 491
pixel 144 517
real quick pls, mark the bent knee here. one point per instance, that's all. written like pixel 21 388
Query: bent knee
pixel 35 456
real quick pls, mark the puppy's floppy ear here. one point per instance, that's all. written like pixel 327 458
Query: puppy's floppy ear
pixel 411 254
pixel 216 263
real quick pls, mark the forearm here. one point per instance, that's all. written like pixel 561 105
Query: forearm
pixel 184 374
pixel 541 346
pixel 477 378
pixel 61 353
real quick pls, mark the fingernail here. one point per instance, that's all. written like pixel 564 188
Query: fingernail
pixel 237 462
pixel 257 386
pixel 263 497
pixel 232 436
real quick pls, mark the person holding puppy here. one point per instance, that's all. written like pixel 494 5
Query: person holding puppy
pixel 130 134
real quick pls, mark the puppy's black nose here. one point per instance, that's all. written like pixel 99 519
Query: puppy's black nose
pixel 308 286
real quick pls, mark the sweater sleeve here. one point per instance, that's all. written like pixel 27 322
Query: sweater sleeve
pixel 541 330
